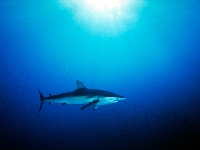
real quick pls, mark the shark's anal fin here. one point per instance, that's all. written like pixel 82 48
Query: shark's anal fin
pixel 90 104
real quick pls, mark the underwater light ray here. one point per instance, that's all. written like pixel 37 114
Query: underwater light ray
pixel 105 17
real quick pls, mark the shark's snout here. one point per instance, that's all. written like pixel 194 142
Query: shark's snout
pixel 121 98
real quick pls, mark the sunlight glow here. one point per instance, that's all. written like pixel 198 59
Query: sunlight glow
pixel 105 17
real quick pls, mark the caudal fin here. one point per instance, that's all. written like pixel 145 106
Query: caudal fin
pixel 41 100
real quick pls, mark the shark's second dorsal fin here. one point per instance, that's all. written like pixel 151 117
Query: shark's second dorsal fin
pixel 80 85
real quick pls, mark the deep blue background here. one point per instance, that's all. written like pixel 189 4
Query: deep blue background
pixel 155 65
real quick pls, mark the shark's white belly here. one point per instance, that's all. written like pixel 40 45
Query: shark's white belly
pixel 72 100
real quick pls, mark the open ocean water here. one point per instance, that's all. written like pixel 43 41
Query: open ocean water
pixel 147 51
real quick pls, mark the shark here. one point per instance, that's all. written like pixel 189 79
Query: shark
pixel 82 95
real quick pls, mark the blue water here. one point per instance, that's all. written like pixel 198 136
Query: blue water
pixel 154 62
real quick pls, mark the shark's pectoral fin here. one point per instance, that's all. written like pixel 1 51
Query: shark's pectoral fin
pixel 95 107
pixel 90 104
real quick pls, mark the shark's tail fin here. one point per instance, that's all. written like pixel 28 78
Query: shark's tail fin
pixel 41 100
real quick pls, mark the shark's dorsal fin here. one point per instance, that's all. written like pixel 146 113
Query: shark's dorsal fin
pixel 80 85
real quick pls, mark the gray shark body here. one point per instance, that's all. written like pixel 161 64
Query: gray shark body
pixel 82 95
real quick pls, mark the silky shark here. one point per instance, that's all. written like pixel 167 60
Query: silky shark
pixel 82 95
